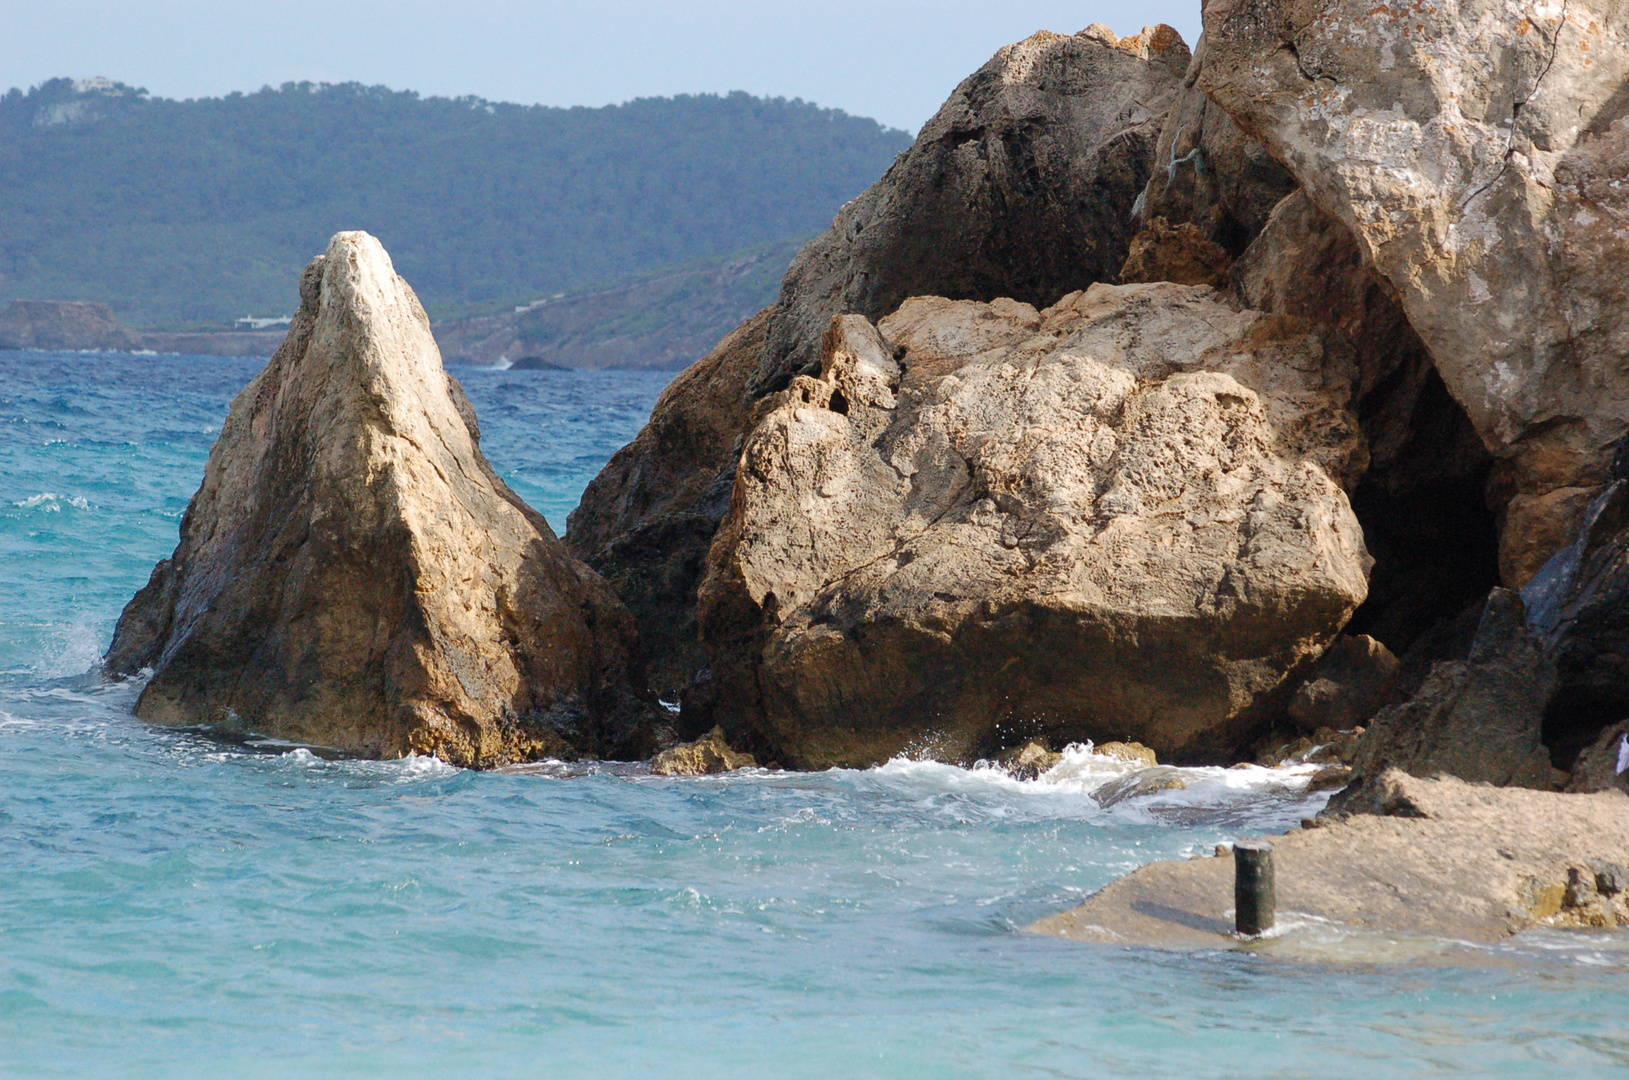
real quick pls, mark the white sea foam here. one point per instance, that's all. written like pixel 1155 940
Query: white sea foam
pixel 409 769
pixel 52 502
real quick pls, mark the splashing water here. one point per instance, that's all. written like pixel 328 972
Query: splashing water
pixel 176 906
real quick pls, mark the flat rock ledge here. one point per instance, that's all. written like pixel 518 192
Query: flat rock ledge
pixel 1448 859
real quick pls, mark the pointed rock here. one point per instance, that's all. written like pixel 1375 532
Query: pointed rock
pixel 353 574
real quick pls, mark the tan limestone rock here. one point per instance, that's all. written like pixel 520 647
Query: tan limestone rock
pixel 1133 752
pixel 1475 152
pixel 353 574
pixel 707 755
pixel 1116 517
pixel 1176 253
pixel 1446 859
pixel 1020 186
pixel 1029 761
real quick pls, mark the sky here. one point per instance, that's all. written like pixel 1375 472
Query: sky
pixel 893 60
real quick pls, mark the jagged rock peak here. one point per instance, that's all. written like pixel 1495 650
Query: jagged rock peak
pixel 352 573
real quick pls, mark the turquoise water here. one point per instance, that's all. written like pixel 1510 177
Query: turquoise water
pixel 172 906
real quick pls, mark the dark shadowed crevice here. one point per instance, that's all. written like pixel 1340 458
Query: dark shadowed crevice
pixel 1423 508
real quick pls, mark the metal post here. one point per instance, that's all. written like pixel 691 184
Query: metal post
pixel 1254 900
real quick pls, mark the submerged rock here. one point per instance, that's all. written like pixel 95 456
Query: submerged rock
pixel 1119 516
pixel 353 574
pixel 1020 186
pixel 1029 761
pixel 647 520
pixel 1475 153
pixel 1446 859
pixel 707 755
pixel 1139 785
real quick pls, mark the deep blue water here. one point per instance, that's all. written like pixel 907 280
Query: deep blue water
pixel 176 907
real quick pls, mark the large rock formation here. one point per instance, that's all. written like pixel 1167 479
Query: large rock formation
pixel 1475 152
pixel 1121 517
pixel 1020 186
pixel 352 573
pixel 647 520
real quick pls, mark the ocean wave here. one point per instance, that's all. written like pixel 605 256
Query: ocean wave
pixel 52 502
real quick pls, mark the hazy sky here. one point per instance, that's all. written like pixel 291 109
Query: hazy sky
pixel 894 60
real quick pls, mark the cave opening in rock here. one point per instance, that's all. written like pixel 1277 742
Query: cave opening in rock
pixel 1424 511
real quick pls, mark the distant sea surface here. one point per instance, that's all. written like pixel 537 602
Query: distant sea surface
pixel 174 906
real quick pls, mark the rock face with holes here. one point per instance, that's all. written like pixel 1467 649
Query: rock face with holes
pixel 647 520
pixel 1021 186
pixel 1120 517
pixel 1475 151
pixel 353 574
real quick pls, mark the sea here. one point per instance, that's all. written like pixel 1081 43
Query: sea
pixel 172 905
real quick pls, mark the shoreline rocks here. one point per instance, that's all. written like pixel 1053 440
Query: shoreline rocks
pixel 353 574
pixel 1444 859
pixel 1118 517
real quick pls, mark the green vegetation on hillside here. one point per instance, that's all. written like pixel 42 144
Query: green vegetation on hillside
pixel 188 213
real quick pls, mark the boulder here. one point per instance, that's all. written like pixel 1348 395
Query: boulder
pixel 1120 517
pixel 1020 186
pixel 1479 720
pixel 1029 761
pixel 1474 151
pixel 1347 685
pixel 353 574
pixel 647 520
pixel 707 755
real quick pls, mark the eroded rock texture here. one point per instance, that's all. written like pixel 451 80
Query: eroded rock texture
pixel 353 574
pixel 1475 151
pixel 1021 186
pixel 1479 719
pixel 1121 517
pixel 647 520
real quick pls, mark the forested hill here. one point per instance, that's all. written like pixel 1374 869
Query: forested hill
pixel 189 213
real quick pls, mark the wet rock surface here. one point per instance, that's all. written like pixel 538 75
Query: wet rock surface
pixel 1118 517
pixel 707 755
pixel 1020 186
pixel 353 574
pixel 1446 859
